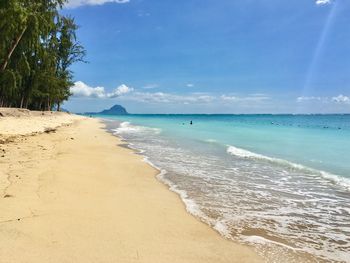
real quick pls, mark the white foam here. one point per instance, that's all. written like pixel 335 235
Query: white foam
pixel 245 154
pixel 126 127
pixel 341 256
pixel 345 182
pixel 250 155
pixel 191 205
pixel 262 240
pixel 222 228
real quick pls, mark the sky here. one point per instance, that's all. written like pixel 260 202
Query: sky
pixel 207 56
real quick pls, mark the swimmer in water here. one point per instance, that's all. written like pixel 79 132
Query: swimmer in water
pixel 191 122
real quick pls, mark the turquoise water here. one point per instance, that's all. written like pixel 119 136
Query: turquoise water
pixel 319 141
pixel 281 182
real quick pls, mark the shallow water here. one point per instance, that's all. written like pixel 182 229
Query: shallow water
pixel 278 181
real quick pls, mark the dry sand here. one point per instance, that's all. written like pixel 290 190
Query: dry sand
pixel 73 195
pixel 22 122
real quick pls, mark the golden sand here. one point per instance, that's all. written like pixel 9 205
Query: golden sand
pixel 74 195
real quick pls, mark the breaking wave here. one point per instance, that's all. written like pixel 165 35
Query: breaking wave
pixel 242 153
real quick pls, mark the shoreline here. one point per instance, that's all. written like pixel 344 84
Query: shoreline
pixel 79 198
pixel 266 247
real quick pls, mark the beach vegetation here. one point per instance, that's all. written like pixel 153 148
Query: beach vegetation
pixel 38 45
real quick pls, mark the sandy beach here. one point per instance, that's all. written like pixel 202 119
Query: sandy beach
pixel 71 194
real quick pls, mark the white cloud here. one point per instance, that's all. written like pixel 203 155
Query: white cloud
pixel 80 89
pixel 76 3
pixel 161 97
pixel 191 98
pixel 228 98
pixel 190 85
pixel 341 99
pixel 312 98
pixel 251 98
pixel 121 90
pixel 323 2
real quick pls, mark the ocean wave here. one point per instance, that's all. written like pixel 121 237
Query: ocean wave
pixel 127 127
pixel 241 153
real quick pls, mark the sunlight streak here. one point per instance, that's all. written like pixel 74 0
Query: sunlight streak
pixel 319 48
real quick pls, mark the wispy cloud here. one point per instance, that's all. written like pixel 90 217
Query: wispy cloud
pixel 142 13
pixel 250 98
pixel 80 89
pixel 190 85
pixel 150 86
pixel 311 98
pixel 162 97
pixel 340 99
pixel 191 98
pixel 323 2
pixel 77 3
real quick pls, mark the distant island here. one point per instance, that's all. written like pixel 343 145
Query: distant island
pixel 114 110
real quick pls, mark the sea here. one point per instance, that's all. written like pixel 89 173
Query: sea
pixel 280 183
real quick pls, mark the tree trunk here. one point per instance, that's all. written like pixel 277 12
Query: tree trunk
pixel 15 44
pixel 22 100
pixel 58 106
pixel 26 103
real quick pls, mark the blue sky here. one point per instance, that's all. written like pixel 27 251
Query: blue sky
pixel 206 56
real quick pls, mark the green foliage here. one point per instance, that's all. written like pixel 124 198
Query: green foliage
pixel 37 47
